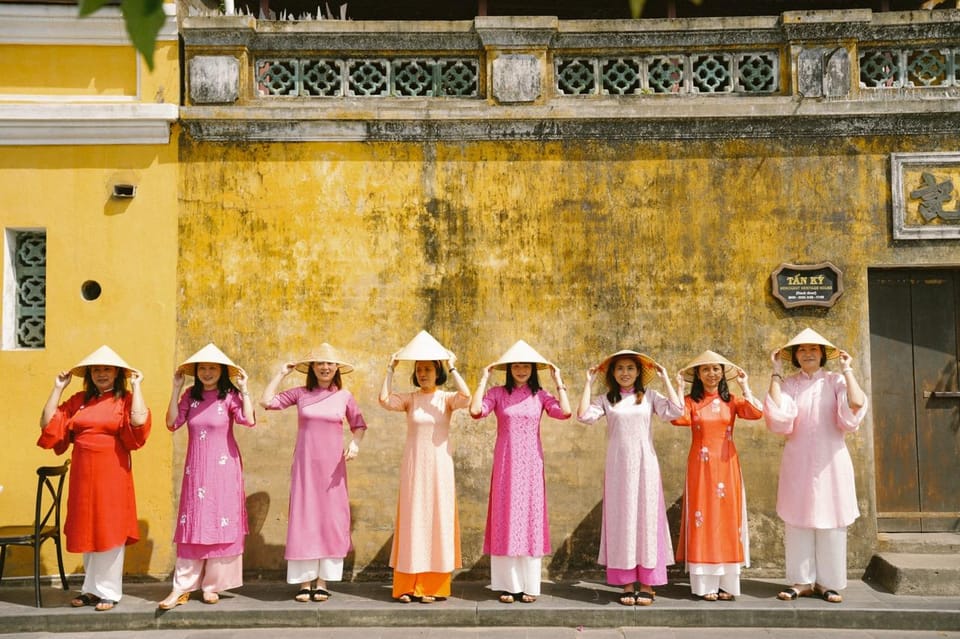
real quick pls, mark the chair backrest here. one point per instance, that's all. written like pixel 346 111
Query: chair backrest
pixel 49 490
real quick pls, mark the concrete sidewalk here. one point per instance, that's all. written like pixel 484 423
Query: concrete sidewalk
pixel 263 604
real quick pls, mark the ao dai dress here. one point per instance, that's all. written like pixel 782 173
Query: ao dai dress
pixel 101 505
pixel 212 519
pixel 427 534
pixel 634 534
pixel 817 487
pixel 318 523
pixel 713 527
pixel 517 523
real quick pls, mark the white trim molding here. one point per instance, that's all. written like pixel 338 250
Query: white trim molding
pixel 61 24
pixel 59 124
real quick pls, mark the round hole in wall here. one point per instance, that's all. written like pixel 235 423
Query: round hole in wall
pixel 90 290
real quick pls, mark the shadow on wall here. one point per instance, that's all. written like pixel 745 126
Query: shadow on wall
pixel 580 549
pixel 136 557
pixel 257 552
pixel 377 570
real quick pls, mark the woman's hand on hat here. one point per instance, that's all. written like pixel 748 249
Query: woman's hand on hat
pixel 662 372
pixel 62 379
pixel 742 377
pixel 680 381
pixel 777 362
pixel 592 373
pixel 451 361
pixel 136 377
pixel 392 366
pixel 242 381
pixel 178 380
pixel 846 361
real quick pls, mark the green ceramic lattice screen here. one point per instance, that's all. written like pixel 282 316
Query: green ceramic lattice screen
pixel 893 68
pixel 30 274
pixel 378 77
pixel 707 73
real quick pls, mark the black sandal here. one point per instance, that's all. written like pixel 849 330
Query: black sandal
pixel 84 599
pixel 507 597
pixel 319 594
pixel 645 598
pixel 303 595
pixel 628 598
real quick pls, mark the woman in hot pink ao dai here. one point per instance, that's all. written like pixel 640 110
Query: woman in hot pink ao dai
pixel 634 536
pixel 318 527
pixel 518 535
pixel 212 520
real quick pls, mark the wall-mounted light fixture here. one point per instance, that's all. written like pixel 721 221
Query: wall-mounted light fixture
pixel 124 191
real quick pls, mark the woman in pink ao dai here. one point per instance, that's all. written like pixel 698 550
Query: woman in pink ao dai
pixel 318 526
pixel 212 520
pixel 634 535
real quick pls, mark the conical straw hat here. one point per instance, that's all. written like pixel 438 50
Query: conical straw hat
pixel 423 347
pixel 648 367
pixel 730 370
pixel 326 353
pixel 521 353
pixel 808 336
pixel 209 354
pixel 103 356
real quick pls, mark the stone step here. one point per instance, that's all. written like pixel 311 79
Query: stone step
pixel 923 543
pixel 916 573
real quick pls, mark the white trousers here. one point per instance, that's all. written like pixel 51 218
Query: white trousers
pixel 103 573
pixel 711 578
pixel 816 556
pixel 515 574
pixel 300 571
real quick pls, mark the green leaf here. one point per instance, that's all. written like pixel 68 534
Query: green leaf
pixel 144 19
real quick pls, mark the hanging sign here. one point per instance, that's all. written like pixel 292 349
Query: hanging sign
pixel 807 284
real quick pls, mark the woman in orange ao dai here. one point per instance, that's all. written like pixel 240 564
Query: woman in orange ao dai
pixel 714 542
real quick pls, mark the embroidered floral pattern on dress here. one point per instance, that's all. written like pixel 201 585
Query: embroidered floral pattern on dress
pixel 704 454
pixel 721 490
pixel 698 518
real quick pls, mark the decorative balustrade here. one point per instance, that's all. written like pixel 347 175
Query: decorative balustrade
pixel 829 72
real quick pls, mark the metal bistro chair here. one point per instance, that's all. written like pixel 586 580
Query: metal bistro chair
pixel 46 524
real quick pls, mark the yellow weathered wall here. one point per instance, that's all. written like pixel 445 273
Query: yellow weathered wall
pixel 69 70
pixel 130 248
pixel 581 248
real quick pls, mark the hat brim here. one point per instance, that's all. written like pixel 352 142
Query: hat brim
pixel 786 351
pixel 502 366
pixel 80 371
pixel 730 373
pixel 190 368
pixel 646 364
pixel 304 366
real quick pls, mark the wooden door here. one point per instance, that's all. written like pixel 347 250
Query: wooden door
pixel 915 398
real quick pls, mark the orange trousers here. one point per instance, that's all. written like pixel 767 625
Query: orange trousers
pixel 421 584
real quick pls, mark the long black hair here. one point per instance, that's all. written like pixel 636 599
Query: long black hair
pixel 696 388
pixel 90 389
pixel 533 381
pixel 224 385
pixel 613 387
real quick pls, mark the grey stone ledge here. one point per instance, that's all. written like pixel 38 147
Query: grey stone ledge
pixel 936 27
pixel 612 129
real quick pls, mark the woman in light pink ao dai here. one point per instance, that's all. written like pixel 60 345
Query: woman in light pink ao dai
pixel 634 536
